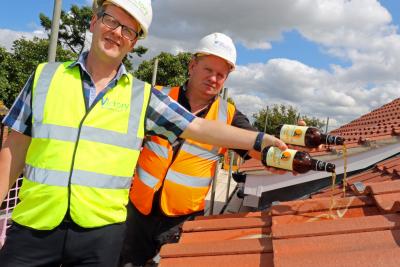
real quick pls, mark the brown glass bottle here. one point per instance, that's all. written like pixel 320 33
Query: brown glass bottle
pixel 305 136
pixel 293 160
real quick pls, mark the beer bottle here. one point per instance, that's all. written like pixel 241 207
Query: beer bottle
pixel 293 160
pixel 305 136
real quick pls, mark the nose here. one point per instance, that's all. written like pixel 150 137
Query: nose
pixel 118 30
pixel 212 77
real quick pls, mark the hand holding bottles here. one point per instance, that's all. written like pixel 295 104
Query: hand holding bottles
pixel 269 140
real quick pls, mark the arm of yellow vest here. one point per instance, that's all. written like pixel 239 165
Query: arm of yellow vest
pixel 12 160
pixel 223 135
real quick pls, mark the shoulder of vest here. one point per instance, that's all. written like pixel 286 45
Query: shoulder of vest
pixel 137 82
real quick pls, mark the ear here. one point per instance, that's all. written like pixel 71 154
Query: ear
pixel 191 66
pixel 133 44
pixel 92 22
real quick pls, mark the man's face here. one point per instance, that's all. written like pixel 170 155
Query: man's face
pixel 207 75
pixel 108 43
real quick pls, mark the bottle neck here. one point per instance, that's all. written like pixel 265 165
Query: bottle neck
pixel 319 165
pixel 328 139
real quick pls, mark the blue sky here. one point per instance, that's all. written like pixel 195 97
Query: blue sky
pixel 291 46
pixel 288 52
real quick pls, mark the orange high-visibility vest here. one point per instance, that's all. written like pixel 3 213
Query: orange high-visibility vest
pixel 184 179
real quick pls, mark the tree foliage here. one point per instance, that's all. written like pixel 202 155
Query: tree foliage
pixel 281 114
pixel 72 29
pixel 172 70
pixel 18 65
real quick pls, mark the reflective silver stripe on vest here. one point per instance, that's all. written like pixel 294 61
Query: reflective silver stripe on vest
pixel 187 180
pixel 160 150
pixel 42 85
pixel 57 132
pixel 166 90
pixel 223 110
pixel 60 178
pixel 110 137
pixel 146 177
pixel 200 151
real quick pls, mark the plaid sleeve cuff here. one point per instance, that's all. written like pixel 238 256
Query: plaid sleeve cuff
pixel 165 117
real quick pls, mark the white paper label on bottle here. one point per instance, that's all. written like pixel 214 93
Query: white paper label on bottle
pixel 293 134
pixel 280 159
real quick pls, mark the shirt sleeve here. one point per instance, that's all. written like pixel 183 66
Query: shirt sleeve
pixel 19 117
pixel 165 117
pixel 241 121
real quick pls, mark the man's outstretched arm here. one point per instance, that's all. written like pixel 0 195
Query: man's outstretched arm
pixel 12 160
pixel 223 135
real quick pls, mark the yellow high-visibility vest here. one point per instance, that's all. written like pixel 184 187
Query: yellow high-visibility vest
pixel 184 180
pixel 80 161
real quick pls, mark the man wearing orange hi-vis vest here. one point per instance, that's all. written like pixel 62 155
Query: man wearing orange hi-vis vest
pixel 172 180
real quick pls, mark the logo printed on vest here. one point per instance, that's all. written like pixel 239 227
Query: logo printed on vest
pixel 113 105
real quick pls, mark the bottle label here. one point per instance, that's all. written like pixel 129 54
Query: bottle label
pixel 293 134
pixel 280 159
pixel 330 139
pixel 320 166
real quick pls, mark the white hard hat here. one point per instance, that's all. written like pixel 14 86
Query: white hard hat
pixel 139 9
pixel 220 45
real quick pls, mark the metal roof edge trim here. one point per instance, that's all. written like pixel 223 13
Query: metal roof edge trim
pixel 257 184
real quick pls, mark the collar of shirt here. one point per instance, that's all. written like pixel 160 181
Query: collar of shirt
pixel 82 63
pixel 182 99
pixel 88 84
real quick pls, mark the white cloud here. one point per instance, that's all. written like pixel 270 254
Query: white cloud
pixel 358 31
pixel 7 37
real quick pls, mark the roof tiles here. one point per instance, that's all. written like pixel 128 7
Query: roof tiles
pixel 359 231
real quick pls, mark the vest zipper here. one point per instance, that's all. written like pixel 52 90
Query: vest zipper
pixel 75 148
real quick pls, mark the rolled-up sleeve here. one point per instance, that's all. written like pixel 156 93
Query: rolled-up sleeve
pixel 165 117
pixel 19 118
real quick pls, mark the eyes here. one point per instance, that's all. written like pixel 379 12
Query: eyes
pixel 113 23
pixel 219 75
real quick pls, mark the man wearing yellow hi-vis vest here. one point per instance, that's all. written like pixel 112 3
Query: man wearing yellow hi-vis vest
pixel 172 180
pixel 77 134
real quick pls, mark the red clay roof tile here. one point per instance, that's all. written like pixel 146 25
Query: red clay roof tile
pixel 243 260
pixel 243 246
pixel 339 226
pixel 370 249
pixel 321 204
pixel 226 224
pixel 193 237
pixel 388 202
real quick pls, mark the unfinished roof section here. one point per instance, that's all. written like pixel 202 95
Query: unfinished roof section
pixel 360 228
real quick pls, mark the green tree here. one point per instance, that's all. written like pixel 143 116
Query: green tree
pixel 72 31
pixel 18 65
pixel 280 114
pixel 4 84
pixel 73 27
pixel 172 70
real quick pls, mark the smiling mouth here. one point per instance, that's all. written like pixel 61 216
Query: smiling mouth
pixel 112 41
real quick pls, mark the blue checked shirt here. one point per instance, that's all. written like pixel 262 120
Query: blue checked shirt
pixel 164 117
